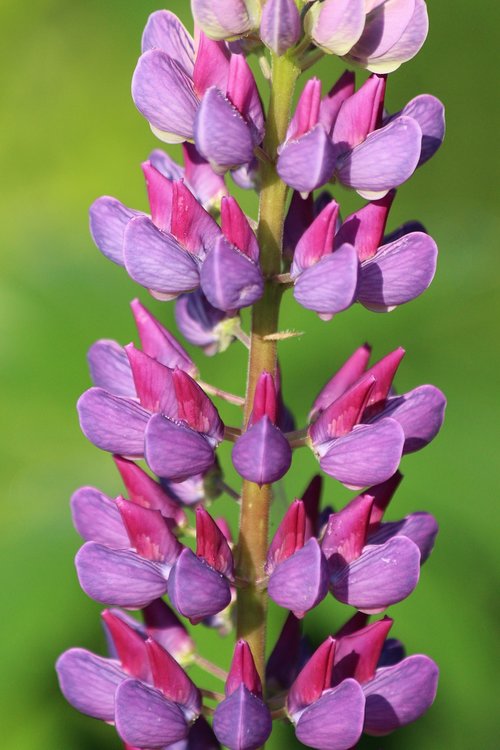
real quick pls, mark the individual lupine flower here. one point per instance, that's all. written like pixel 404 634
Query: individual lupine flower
pixel 226 19
pixel 242 720
pixel 296 565
pixel 324 281
pixel 280 27
pixel 391 273
pixel 342 137
pixel 325 717
pixel 262 454
pixel 133 574
pixel 360 436
pixel 394 32
pixel 230 275
pixel 174 701
pixel 175 426
pixel 204 325
pixel 211 97
pixel 335 25
pixel 363 573
pixel 395 695
pixel 199 585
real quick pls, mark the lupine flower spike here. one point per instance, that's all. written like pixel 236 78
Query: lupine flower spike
pixel 156 544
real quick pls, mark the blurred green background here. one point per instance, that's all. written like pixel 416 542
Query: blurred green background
pixel 70 132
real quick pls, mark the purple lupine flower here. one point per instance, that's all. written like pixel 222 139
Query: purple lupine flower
pixel 325 717
pixel 262 454
pixel 296 565
pixel 175 426
pixel 366 573
pixel 242 721
pixel 174 701
pixel 199 585
pixel 394 32
pixel 217 100
pixel 324 281
pixel 204 325
pixel 360 436
pixel 395 695
pixel 335 25
pixel 230 275
pixel 342 136
pixel 280 26
pixel 226 18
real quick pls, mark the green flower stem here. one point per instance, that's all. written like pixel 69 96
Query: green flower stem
pixel 254 521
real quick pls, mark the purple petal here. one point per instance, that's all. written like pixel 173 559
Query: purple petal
pixel 421 528
pixel 420 413
pixel 262 454
pixel 400 694
pixel 164 31
pixel 110 368
pixel 111 423
pixel 225 18
pixel 429 113
pixel 175 451
pixel 386 159
pixel 89 682
pixel 165 96
pixel 365 456
pixel 118 577
pixel 383 575
pixel 330 285
pixel 407 46
pixel 337 24
pixel 335 721
pixel 157 261
pixel 206 185
pixel 301 582
pixel 145 718
pixel 198 321
pixel 308 162
pixel 242 721
pixel 243 93
pixel 108 219
pixel 201 737
pixel 384 27
pixel 97 518
pixel 229 279
pixel 222 136
pixel 164 163
pixel 195 589
pixel 280 27
pixel 398 273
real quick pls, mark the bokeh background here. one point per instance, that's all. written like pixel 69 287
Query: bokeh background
pixel 70 132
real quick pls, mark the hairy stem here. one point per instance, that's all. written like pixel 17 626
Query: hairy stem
pixel 253 538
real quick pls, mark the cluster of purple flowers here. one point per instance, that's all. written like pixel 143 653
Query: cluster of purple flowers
pixel 149 408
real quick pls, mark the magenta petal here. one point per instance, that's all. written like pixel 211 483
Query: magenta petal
pixel 421 528
pixel 156 260
pixel 110 369
pixel 420 413
pixel 97 519
pixel 330 285
pixel 222 136
pixel 145 718
pixel 111 423
pixel 398 273
pixel 89 682
pixel 205 184
pixel 195 589
pixel 118 577
pixel 242 721
pixel 157 342
pixel 308 162
pixel 400 694
pixel 351 370
pixel 429 113
pixel 164 31
pixel 262 454
pixel 335 721
pixel 386 159
pixel 229 279
pixel 175 451
pixel 383 575
pixel 365 456
pixel 300 582
pixel 108 219
pixel 164 95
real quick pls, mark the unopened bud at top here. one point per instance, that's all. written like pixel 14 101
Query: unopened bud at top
pixel 226 19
